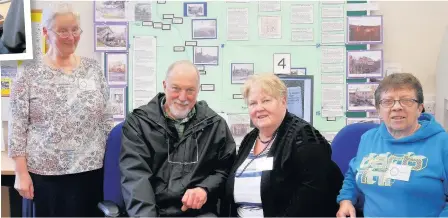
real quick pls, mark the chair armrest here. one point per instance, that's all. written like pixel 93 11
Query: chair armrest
pixel 109 208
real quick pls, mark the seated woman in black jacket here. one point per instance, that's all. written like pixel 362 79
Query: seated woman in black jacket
pixel 284 165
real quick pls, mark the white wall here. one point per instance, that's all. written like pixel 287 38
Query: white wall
pixel 413 32
pixel 85 9
pixel 441 83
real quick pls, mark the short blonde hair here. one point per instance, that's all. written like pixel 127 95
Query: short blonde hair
pixel 50 13
pixel 268 82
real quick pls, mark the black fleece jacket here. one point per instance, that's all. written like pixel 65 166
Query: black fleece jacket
pixel 304 180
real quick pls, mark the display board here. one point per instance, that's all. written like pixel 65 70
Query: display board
pixel 231 40
pixel 325 44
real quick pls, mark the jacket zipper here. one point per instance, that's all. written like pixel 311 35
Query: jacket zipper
pixel 190 128
pixel 169 180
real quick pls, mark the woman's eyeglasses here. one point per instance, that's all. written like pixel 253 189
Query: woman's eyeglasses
pixel 405 102
pixel 65 34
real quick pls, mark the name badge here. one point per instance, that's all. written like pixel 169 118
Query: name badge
pixel 86 84
pixel 399 172
pixel 265 163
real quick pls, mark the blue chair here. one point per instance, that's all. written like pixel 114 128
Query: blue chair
pixel 345 143
pixel 345 146
pixel 113 204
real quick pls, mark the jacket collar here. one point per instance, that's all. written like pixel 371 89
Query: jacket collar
pixel 152 112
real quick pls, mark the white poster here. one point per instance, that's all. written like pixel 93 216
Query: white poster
pixel 269 6
pixel 333 55
pixel 332 100
pixel 332 68
pixel 270 27
pixel 238 24
pixel 294 100
pixel 333 38
pixel 332 78
pixel 330 25
pixel 333 11
pixel 302 14
pixel 144 70
pixel 302 34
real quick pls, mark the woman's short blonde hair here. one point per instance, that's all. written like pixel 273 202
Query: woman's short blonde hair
pixel 50 13
pixel 268 82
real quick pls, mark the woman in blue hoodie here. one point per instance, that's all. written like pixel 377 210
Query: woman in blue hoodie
pixel 401 167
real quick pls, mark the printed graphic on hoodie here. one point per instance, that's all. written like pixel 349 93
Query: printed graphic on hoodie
pixel 373 167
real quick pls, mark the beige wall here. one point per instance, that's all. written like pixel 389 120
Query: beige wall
pixel 413 32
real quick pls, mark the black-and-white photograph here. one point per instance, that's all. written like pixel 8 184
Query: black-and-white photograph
pixel 111 37
pixel 241 71
pixel 360 97
pixel 110 11
pixel 142 11
pixel 204 28
pixel 118 102
pixel 239 125
pixel 365 64
pixel 206 55
pixel 195 9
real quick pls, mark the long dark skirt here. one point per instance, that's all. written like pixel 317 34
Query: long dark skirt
pixel 73 195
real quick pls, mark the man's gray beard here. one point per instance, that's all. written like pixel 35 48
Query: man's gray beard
pixel 178 114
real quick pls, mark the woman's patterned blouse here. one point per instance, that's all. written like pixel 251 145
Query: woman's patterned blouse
pixel 60 122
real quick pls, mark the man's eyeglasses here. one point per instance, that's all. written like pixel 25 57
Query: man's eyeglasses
pixel 65 34
pixel 405 102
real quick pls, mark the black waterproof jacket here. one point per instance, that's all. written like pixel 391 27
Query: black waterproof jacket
pixel 157 166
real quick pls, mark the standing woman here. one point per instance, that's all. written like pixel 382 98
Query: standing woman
pixel 13 31
pixel 59 124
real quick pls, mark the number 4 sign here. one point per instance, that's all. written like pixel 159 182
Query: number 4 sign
pixel 282 63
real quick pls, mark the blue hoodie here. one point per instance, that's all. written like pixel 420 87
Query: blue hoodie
pixel 383 164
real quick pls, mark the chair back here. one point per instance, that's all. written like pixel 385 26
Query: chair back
pixel 345 143
pixel 111 183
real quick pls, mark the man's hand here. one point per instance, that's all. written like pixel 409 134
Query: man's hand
pixel 194 199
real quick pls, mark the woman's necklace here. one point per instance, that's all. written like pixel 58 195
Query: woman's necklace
pixel 268 141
